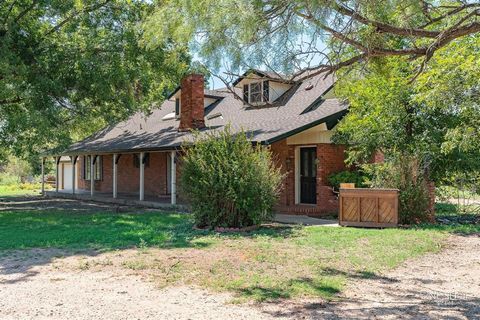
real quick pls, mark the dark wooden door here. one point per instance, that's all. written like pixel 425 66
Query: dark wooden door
pixel 308 175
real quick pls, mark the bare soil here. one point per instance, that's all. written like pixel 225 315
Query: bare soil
pixel 55 284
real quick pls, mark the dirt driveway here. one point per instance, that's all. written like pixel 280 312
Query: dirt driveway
pixel 54 284
pixel 39 284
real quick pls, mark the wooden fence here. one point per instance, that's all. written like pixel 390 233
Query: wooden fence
pixel 369 207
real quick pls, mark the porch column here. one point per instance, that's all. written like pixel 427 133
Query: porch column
pixel 114 182
pixel 74 162
pixel 57 160
pixel 43 176
pixel 173 178
pixel 142 176
pixel 92 175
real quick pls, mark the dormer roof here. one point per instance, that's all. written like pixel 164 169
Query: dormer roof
pixel 268 75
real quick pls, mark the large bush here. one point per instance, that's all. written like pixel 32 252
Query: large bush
pixel 405 173
pixel 347 176
pixel 229 182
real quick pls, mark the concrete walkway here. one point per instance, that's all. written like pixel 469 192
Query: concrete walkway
pixel 304 220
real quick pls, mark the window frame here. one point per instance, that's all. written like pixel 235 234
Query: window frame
pixel 178 108
pixel 87 171
pixel 261 92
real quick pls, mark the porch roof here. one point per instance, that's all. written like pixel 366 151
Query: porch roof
pixel 298 109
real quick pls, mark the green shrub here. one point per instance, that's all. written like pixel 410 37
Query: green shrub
pixel 228 182
pixel 347 176
pixel 405 174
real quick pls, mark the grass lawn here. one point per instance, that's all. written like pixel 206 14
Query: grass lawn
pixel 273 262
pixel 32 190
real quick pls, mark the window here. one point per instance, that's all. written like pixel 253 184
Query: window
pixel 136 160
pixel 177 107
pixel 256 92
pixel 87 168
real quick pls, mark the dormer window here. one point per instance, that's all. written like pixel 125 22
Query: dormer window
pixel 256 92
pixel 177 108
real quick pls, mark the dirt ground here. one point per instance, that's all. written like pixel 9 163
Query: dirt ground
pixel 56 284
pixel 48 284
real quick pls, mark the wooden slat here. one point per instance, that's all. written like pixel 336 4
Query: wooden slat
pixel 368 207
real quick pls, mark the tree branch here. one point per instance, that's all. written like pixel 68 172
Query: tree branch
pixel 24 12
pixel 387 28
pixel 11 101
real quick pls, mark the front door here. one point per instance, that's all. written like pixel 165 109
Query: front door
pixel 308 175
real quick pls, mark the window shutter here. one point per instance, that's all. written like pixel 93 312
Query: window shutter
pixel 266 91
pixel 146 159
pixel 245 93
pixel 136 161
pixel 177 107
pixel 99 168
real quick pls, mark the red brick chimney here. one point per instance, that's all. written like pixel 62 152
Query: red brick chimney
pixel 192 110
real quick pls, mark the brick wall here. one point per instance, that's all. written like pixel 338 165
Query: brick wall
pixel 129 176
pixel 192 111
pixel 284 157
pixel 330 160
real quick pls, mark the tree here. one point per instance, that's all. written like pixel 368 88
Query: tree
pixel 303 38
pixel 228 182
pixel 435 118
pixel 427 129
pixel 68 68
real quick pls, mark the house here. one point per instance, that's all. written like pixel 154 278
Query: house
pixel 137 158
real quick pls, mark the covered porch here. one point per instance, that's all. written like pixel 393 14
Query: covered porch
pixel 146 178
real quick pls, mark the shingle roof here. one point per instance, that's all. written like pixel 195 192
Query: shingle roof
pixel 265 124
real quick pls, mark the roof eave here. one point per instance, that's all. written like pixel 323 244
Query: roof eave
pixel 331 121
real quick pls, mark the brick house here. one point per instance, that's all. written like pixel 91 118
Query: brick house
pixel 140 158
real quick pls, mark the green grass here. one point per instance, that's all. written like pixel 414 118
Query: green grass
pixel 273 262
pixel 269 263
pixel 17 190
pixel 104 231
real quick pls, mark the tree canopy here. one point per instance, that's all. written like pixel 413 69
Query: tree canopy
pixel 436 118
pixel 70 67
pixel 408 68
pixel 302 38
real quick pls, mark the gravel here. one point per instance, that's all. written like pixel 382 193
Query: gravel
pixel 38 284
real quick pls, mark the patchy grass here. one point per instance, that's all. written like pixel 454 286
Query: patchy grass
pixel 304 261
pixel 273 262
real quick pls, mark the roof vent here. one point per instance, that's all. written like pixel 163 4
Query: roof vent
pixel 215 115
pixel 309 87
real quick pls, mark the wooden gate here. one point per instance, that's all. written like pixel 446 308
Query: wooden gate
pixel 369 207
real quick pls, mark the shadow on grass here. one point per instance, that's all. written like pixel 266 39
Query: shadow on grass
pixel 454 228
pixel 267 230
pixel 46 228
pixel 288 290
pixel 396 301
pixel 357 275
